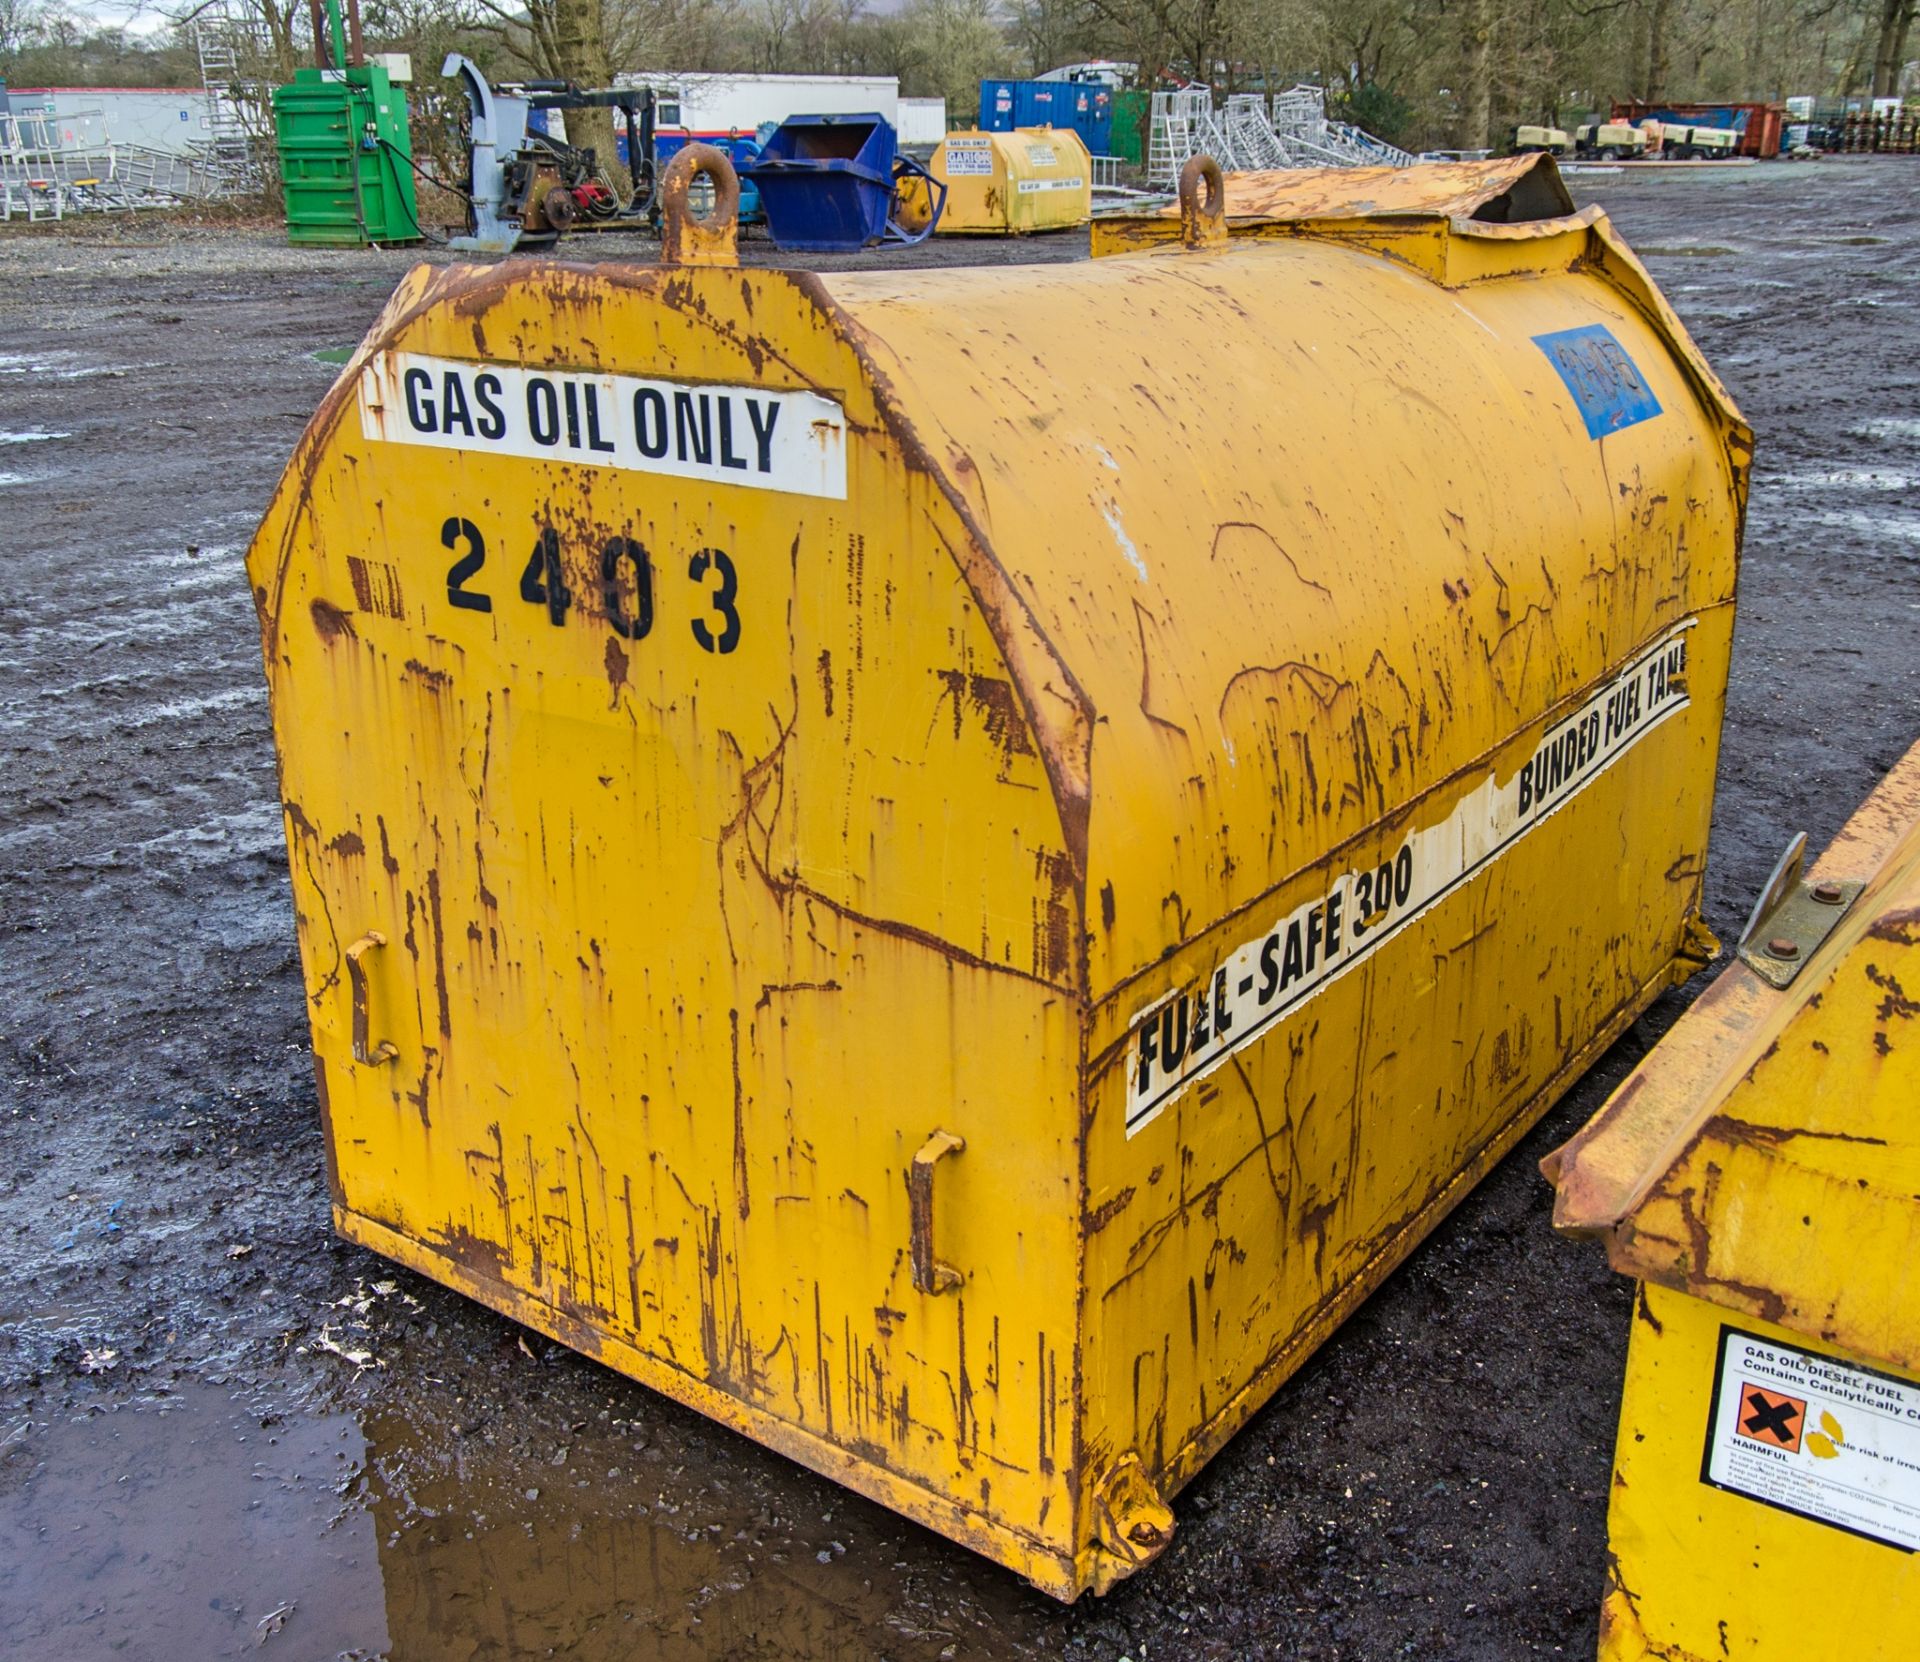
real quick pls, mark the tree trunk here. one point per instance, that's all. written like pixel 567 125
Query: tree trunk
pixel 1757 76
pixel 1477 109
pixel 1896 18
pixel 580 53
pixel 1654 83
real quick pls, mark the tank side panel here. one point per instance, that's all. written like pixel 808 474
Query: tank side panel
pixel 699 917
pixel 1334 552
pixel 1312 532
pixel 1241 1219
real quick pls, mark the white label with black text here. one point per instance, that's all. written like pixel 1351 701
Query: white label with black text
pixel 1192 1030
pixel 969 161
pixel 1816 1436
pixel 1029 186
pixel 795 442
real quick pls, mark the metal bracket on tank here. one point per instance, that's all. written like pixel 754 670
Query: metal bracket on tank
pixel 1203 219
pixel 365 1051
pixel 687 238
pixel 1792 918
pixel 1131 1523
pixel 930 1275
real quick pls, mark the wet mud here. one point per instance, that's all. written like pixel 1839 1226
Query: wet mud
pixel 223 1432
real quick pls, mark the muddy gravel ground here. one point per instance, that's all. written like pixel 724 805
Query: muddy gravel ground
pixel 223 1432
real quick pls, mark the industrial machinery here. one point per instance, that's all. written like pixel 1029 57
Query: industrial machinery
pixel 1758 129
pixel 1682 141
pixel 1613 141
pixel 1757 1176
pixel 526 188
pixel 950 866
pixel 1553 141
pixel 346 156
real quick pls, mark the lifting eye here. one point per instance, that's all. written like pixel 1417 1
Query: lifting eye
pixel 687 238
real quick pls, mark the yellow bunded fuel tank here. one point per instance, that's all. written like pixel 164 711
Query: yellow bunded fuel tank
pixel 1759 1176
pixel 950 865
pixel 1031 179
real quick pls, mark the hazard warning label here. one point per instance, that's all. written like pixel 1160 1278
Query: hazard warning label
pixel 1816 1436
pixel 1770 1417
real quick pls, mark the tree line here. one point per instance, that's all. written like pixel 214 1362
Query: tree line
pixel 1426 73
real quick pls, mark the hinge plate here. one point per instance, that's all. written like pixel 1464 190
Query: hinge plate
pixel 1803 918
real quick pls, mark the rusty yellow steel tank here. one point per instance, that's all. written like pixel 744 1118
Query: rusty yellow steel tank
pixel 949 866
pixel 1759 1175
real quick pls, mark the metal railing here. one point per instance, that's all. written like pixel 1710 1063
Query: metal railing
pixel 1249 135
pixel 54 166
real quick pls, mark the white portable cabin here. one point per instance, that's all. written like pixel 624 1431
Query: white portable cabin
pixel 705 101
pixel 923 121
pixel 80 118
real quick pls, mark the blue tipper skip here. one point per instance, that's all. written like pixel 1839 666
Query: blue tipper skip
pixel 1606 385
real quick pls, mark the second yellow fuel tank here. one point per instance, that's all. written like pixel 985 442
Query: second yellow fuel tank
pixel 950 865
pixel 1031 179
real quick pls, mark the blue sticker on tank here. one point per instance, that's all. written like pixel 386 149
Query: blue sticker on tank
pixel 1605 383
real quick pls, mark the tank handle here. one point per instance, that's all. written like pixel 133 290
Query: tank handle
pixel 687 238
pixel 1203 220
pixel 930 1275
pixel 365 1051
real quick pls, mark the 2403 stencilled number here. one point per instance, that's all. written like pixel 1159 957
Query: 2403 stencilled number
pixel 626 584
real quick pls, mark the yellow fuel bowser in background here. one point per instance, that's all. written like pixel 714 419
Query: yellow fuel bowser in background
pixel 1759 1176
pixel 1031 179
pixel 950 866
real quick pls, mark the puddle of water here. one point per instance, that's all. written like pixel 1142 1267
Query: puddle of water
pixel 608 1566
pixel 55 366
pixel 179 1530
pixel 195 1531
pixel 7 479
pixel 1888 427
pixel 1883 533
pixel 331 354
pixel 1850 478
pixel 31 438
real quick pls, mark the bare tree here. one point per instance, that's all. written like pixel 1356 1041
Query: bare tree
pixel 1890 48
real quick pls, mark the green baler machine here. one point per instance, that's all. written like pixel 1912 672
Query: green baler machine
pixel 346 158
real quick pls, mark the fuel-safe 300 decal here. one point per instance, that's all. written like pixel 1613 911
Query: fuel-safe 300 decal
pixel 1195 1028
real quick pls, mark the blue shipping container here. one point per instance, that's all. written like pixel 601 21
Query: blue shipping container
pixel 1085 106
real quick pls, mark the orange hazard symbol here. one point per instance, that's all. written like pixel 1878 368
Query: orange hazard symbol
pixel 1771 1417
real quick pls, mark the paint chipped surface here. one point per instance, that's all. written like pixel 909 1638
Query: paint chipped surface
pixel 727 858
pixel 1792 1105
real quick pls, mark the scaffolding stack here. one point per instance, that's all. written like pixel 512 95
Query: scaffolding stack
pixel 1248 135
pixel 49 168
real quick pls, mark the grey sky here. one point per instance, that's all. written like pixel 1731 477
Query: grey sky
pixel 135 16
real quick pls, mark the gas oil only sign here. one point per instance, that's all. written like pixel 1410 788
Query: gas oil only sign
pixel 755 437
pixel 1816 1436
